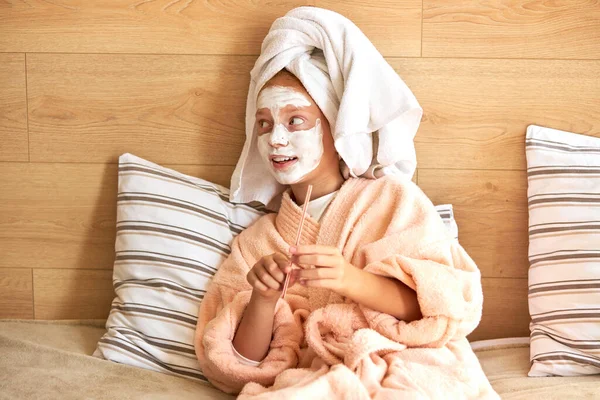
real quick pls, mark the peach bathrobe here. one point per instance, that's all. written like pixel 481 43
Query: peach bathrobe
pixel 325 346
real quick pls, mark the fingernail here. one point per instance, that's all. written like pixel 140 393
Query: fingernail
pixel 293 249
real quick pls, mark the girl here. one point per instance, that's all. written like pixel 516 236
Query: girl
pixel 383 297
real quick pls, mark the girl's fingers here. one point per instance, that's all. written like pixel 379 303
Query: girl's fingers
pixel 293 277
pixel 282 262
pixel 316 259
pixel 316 273
pixel 265 277
pixel 314 249
pixel 275 271
pixel 255 283
pixel 320 283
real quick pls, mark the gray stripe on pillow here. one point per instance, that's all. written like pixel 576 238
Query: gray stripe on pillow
pixel 567 356
pixel 531 141
pixel 565 229
pixel 126 330
pixel 566 287
pixel 534 259
pixel 581 315
pixel 141 257
pixel 540 329
pixel 564 170
pixel 565 343
pixel 532 144
pixel 164 258
pixel 195 236
pixel 224 196
pixel 158 284
pixel 175 369
pixel 165 313
pixel 159 343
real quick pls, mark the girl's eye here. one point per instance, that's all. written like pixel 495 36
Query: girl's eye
pixel 263 124
pixel 296 121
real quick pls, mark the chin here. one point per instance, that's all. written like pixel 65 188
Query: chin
pixel 284 181
pixel 288 180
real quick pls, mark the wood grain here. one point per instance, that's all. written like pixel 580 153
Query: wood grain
pixel 63 215
pixel 179 109
pixel 564 29
pixel 476 111
pixel 394 27
pixel 490 208
pixel 72 294
pixel 171 109
pixel 505 309
pixel 13 108
pixel 16 293
pixel 140 26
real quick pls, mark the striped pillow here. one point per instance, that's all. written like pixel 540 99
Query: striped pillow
pixel 446 212
pixel 173 232
pixel 563 172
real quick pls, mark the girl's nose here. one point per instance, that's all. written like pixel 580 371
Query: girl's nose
pixel 278 137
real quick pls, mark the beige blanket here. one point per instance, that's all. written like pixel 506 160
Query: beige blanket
pixel 506 367
pixel 51 360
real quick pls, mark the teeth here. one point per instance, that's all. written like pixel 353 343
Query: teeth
pixel 282 159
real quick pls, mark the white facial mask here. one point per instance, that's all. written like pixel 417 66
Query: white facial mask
pixel 306 145
pixel 277 97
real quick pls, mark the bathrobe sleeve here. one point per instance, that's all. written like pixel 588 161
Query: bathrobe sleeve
pixel 418 251
pixel 220 313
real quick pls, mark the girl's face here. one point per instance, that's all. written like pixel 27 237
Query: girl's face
pixel 293 134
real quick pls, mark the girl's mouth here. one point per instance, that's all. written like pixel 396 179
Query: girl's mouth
pixel 283 162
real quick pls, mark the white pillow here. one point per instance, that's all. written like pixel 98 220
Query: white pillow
pixel 446 212
pixel 563 172
pixel 173 232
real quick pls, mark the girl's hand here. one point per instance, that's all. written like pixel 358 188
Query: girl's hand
pixel 332 270
pixel 268 275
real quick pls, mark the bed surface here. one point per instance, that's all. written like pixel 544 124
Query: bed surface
pixel 51 359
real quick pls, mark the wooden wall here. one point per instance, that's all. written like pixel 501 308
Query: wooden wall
pixel 83 82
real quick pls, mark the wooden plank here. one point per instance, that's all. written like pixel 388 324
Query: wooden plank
pixel 16 291
pixel 511 29
pixel 139 26
pixel 505 309
pixel 171 109
pixel 13 108
pixel 394 27
pixel 476 111
pixel 179 109
pixel 63 215
pixel 72 294
pixel 491 212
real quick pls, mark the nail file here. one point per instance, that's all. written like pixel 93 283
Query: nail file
pixel 299 233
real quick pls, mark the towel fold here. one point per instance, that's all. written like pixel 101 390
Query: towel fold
pixel 373 115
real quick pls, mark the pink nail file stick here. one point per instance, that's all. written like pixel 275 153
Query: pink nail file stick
pixel 304 207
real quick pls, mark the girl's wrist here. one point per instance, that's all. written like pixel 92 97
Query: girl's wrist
pixel 352 279
pixel 263 301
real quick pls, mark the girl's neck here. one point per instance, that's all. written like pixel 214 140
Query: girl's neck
pixel 321 186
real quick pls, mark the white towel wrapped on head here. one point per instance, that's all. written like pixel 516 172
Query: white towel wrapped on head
pixel 369 108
